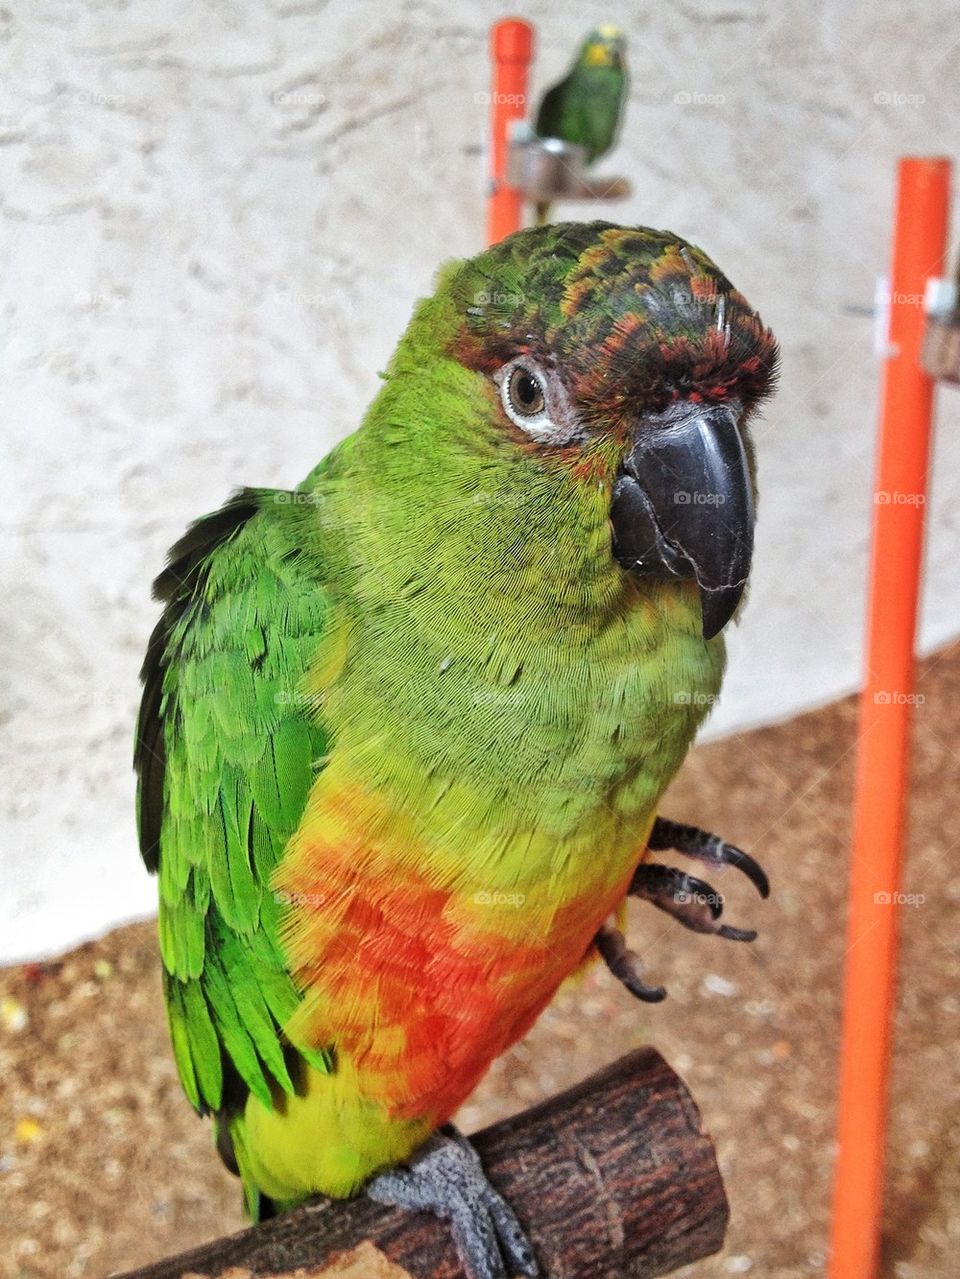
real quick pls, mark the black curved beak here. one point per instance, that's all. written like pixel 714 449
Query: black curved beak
pixel 683 506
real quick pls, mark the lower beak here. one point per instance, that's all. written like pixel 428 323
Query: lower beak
pixel 683 508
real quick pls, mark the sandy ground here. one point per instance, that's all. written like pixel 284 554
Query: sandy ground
pixel 103 1165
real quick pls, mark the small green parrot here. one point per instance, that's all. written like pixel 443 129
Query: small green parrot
pixel 586 106
pixel 405 728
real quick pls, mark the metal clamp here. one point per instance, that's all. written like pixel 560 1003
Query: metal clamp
pixel 941 338
pixel 546 169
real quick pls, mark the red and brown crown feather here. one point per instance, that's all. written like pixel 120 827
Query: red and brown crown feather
pixel 632 318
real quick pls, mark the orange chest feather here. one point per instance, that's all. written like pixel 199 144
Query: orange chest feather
pixel 417 972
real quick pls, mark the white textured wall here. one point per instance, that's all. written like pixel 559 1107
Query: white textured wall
pixel 216 217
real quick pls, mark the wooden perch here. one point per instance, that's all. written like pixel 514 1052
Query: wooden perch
pixel 612 1179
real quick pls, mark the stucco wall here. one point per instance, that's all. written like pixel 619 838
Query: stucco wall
pixel 216 218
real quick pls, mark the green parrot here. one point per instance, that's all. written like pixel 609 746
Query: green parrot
pixel 405 728
pixel 586 106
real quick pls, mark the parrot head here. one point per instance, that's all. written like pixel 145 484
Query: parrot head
pixel 620 365
pixel 605 46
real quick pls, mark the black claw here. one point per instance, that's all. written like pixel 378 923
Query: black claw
pixel 736 934
pixel 694 842
pixel 624 964
pixel 691 901
pixel 752 869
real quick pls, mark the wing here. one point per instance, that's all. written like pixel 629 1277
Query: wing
pixel 584 109
pixel 225 755
pixel 601 111
pixel 550 115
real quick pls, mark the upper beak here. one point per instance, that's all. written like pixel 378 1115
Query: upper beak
pixel 683 507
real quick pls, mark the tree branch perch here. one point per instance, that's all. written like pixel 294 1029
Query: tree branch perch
pixel 613 1179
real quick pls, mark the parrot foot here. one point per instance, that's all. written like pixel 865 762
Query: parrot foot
pixel 691 901
pixel 624 963
pixel 694 842
pixel 446 1177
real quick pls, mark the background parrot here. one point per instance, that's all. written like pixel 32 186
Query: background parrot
pixel 585 107
pixel 404 729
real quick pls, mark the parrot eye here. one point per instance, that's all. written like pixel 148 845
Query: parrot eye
pixel 523 394
pixel 535 400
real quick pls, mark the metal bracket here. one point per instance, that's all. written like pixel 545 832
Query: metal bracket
pixel 941 338
pixel 546 169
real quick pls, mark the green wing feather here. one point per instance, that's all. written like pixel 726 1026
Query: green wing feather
pixel 585 108
pixel 225 756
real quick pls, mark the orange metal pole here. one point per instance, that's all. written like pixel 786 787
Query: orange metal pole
pixel 511 47
pixel 919 248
